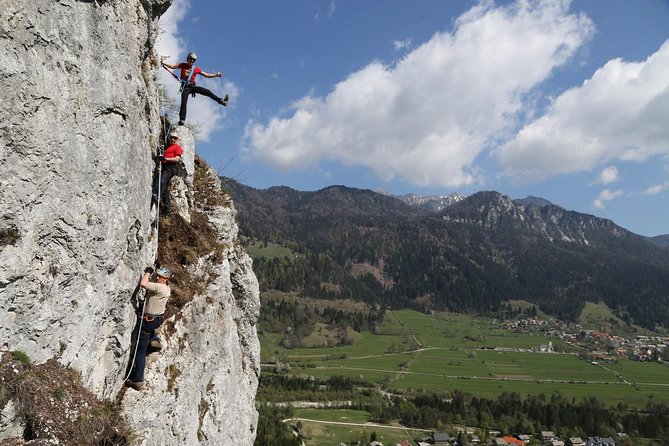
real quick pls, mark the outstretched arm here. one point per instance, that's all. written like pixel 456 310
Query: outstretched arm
pixel 169 65
pixel 219 74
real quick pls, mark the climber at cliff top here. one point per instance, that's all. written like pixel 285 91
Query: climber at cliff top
pixel 169 163
pixel 187 76
pixel 157 293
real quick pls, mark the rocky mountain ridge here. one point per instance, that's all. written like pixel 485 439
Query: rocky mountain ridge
pixel 490 209
pixel 433 203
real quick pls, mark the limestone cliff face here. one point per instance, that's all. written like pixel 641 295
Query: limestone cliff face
pixel 78 128
pixel 201 387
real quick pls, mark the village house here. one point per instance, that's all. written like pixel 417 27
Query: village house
pixel 576 441
pixel 547 436
pixel 513 441
pixel 546 348
pixel 441 438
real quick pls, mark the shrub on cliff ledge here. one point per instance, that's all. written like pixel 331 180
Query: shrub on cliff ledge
pixel 54 408
pixel 183 243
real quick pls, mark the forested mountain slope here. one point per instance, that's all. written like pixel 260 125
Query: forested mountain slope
pixel 660 240
pixel 470 256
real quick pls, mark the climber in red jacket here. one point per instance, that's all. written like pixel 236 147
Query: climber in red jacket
pixel 169 164
pixel 187 77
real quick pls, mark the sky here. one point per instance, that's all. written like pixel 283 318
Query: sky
pixel 564 100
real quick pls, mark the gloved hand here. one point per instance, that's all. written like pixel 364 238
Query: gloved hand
pixel 148 270
pixel 160 158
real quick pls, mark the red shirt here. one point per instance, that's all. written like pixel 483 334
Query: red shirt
pixel 172 151
pixel 185 72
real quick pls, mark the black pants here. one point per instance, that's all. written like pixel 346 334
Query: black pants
pixel 148 332
pixel 168 171
pixel 187 91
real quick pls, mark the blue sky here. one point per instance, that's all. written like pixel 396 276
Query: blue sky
pixel 566 100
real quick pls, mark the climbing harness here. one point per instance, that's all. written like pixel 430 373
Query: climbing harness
pixel 184 82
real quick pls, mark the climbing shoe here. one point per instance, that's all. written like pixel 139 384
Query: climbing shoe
pixel 224 101
pixel 181 122
pixel 156 344
pixel 135 385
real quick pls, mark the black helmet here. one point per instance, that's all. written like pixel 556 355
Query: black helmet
pixel 192 55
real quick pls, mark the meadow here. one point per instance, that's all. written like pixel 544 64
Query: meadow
pixel 416 351
pixel 338 425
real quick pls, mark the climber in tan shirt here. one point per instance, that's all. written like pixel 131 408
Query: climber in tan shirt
pixel 157 294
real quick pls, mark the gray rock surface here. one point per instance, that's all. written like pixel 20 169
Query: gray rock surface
pixel 77 131
pixel 79 127
pixel 11 426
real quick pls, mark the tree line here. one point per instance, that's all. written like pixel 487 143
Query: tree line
pixel 509 413
pixel 296 321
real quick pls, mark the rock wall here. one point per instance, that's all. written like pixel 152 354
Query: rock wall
pixel 79 126
pixel 202 385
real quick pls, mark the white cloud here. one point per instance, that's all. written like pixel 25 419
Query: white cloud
pixel 332 7
pixel 202 111
pixel 654 190
pixel 402 44
pixel 605 196
pixel 608 175
pixel 618 114
pixel 169 43
pixel 427 117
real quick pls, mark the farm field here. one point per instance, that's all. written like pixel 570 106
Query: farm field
pixel 332 427
pixel 441 353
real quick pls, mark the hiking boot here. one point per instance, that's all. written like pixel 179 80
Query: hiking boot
pixel 224 101
pixel 135 385
pixel 156 344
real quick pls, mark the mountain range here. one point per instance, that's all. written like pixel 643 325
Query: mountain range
pixel 470 256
